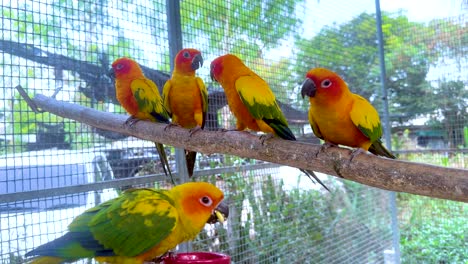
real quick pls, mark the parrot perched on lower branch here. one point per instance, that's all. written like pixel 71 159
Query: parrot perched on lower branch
pixel 339 116
pixel 137 226
pixel 140 97
pixel 251 100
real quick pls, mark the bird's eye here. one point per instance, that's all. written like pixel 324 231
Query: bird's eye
pixel 186 54
pixel 119 66
pixel 326 83
pixel 206 201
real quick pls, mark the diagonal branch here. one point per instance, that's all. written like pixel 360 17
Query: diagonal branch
pixel 394 175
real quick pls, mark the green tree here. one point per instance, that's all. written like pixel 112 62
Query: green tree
pixel 411 49
pixel 452 105
pixel 245 28
pixel 351 50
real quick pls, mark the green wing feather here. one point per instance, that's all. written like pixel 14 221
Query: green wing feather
pixel 149 101
pixel 314 127
pixel 191 156
pixel 259 99
pixel 204 93
pixel 366 118
pixel 378 149
pixel 128 225
pixel 204 96
pixel 134 222
pixel 166 89
pixel 150 104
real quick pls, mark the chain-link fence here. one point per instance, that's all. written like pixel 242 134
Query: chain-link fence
pixel 52 168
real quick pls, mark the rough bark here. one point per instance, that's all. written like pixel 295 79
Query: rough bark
pixel 388 174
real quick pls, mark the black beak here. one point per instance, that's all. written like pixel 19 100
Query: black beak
pixel 220 214
pixel 197 62
pixel 212 74
pixel 308 88
pixel 111 73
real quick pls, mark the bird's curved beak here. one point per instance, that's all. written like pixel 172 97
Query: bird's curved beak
pixel 220 213
pixel 111 73
pixel 308 88
pixel 197 62
pixel 211 73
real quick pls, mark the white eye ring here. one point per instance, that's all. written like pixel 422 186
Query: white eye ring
pixel 119 66
pixel 326 83
pixel 206 201
pixel 186 54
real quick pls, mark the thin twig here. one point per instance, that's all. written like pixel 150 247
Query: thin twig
pixel 28 100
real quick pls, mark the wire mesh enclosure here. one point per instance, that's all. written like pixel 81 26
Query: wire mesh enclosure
pixel 52 169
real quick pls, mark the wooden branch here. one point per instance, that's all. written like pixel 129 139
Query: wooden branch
pixel 393 175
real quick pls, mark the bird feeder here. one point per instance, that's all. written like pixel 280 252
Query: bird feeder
pixel 197 258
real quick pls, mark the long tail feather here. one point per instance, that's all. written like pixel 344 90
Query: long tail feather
pixel 311 175
pixel 377 148
pixel 46 260
pixel 280 129
pixel 285 133
pixel 164 161
pixel 190 157
pixel 66 249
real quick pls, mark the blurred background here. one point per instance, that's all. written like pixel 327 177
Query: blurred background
pixel 52 169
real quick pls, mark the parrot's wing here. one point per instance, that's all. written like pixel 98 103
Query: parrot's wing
pixel 259 99
pixel 131 224
pixel 149 101
pixel 366 118
pixel 166 90
pixel 315 128
pixel 204 96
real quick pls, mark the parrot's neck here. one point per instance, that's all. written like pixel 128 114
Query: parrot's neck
pixel 180 71
pixel 232 73
pixel 339 99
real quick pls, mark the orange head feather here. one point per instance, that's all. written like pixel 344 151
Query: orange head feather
pixel 323 84
pixel 197 200
pixel 125 67
pixel 188 61
pixel 216 68
pixel 227 63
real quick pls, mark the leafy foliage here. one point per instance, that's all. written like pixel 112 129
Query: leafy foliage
pixel 410 49
pixel 451 113
pixel 427 236
pixel 351 50
pixel 268 224
pixel 244 28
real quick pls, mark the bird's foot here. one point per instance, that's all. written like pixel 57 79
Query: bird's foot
pixel 194 130
pixel 354 153
pixel 171 125
pixel 131 121
pixel 226 130
pixel 265 137
pixel 325 146
pixel 168 254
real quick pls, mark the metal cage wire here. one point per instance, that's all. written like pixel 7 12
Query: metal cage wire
pixel 64 49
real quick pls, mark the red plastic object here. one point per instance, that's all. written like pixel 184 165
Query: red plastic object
pixel 198 258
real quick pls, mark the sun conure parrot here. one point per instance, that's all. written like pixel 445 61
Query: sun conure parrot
pixel 251 100
pixel 140 97
pixel 339 116
pixel 186 97
pixel 137 226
